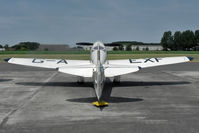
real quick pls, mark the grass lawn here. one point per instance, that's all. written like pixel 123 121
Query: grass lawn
pixel 84 55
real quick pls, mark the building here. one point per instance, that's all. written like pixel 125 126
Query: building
pixel 54 47
pixel 147 46
pixel 109 47
pixel 134 47
pixel 2 49
pixel 86 47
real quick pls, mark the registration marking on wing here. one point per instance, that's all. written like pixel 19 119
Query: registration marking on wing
pixel 134 61
pixel 43 60
pixel 152 60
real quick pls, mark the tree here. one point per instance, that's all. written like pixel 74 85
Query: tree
pixel 115 49
pixel 188 40
pixel 1 46
pixel 46 49
pixel 26 46
pixel 121 47
pixel 6 47
pixel 128 47
pixel 197 37
pixel 137 48
pixel 177 41
pixel 23 48
pixel 167 40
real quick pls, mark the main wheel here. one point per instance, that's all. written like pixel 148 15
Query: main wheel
pixel 116 79
pixel 80 80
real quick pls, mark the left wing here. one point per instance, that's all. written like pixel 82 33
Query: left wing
pixel 151 62
pixel 47 63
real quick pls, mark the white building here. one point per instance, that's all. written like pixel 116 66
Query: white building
pixel 2 49
pixel 88 47
pixel 144 47
pixel 134 47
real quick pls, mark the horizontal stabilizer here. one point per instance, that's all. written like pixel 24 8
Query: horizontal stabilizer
pixel 117 70
pixel 83 70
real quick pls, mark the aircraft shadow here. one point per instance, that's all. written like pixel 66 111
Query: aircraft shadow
pixel 109 100
pixel 108 83
pixel 106 96
pixel 4 80
pixel 150 83
pixel 64 84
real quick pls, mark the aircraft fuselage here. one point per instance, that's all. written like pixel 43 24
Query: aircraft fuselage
pixel 98 57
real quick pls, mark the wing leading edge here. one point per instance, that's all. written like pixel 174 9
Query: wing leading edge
pixel 46 63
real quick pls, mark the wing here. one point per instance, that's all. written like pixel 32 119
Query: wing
pixel 112 70
pixel 47 63
pixel 151 62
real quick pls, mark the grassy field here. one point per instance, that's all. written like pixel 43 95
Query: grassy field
pixel 84 55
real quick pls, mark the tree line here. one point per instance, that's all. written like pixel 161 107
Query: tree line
pixel 22 46
pixel 186 40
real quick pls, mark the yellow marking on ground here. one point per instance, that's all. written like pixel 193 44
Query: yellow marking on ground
pixel 100 103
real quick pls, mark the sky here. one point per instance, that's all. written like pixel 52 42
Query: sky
pixel 72 21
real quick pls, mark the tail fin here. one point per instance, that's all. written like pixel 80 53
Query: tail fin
pixel 98 60
pixel 98 56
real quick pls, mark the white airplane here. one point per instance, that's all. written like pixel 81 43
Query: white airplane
pixel 98 67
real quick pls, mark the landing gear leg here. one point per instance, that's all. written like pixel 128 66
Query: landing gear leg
pixel 116 79
pixel 80 80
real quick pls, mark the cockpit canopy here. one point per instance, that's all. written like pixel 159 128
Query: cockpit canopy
pixel 100 48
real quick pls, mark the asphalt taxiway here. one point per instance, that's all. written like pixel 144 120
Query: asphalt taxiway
pixel 160 99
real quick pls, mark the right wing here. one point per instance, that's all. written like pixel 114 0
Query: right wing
pixel 151 62
pixel 47 63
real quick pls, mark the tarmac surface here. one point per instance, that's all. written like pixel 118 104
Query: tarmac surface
pixel 154 100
